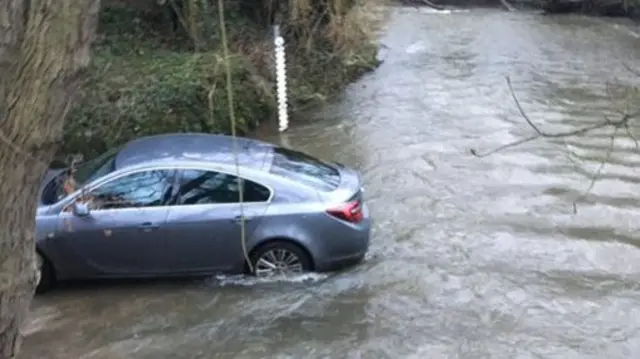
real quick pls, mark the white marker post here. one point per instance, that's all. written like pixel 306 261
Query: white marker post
pixel 281 80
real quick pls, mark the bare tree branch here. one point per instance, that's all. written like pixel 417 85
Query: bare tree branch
pixel 508 6
pixel 428 3
pixel 630 69
pixel 504 147
pixel 630 135
pixel 598 172
pixel 623 122
pixel 433 6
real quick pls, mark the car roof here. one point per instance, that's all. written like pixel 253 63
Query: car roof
pixel 194 147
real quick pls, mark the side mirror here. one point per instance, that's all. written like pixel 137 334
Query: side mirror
pixel 81 209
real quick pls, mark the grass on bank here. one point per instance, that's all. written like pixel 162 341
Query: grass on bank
pixel 149 76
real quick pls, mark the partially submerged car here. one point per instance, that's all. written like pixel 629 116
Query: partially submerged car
pixel 169 205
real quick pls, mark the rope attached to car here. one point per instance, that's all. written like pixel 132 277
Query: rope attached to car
pixel 232 119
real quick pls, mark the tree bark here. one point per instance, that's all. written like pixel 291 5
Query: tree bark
pixel 42 65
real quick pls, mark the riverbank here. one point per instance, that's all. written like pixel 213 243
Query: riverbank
pixel 609 8
pixel 159 68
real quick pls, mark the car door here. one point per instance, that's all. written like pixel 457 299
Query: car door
pixel 123 231
pixel 204 227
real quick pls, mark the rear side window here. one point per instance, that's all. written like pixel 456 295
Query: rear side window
pixel 208 187
pixel 303 168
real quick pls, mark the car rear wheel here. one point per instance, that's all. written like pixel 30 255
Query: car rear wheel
pixel 46 274
pixel 280 258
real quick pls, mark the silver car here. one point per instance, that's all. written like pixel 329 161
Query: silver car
pixel 169 205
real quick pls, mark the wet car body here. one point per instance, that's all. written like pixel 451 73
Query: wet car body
pixel 291 200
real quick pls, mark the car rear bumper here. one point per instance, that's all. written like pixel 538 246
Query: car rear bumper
pixel 344 252
pixel 337 263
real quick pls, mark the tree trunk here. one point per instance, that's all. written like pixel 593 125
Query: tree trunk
pixel 42 65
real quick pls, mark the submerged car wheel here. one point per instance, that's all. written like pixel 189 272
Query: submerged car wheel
pixel 46 274
pixel 280 258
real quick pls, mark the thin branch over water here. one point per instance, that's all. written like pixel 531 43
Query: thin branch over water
pixel 621 123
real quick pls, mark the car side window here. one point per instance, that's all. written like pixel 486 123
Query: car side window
pixel 141 189
pixel 209 187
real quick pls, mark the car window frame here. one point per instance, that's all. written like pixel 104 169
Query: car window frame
pixel 97 183
pixel 179 175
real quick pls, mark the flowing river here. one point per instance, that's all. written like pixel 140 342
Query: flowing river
pixel 471 257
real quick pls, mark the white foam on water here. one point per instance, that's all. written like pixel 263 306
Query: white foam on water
pixel 246 281
pixel 428 10
pixel 416 47
pixel 627 30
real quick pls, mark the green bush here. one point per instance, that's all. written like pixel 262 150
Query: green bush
pixel 148 77
pixel 161 93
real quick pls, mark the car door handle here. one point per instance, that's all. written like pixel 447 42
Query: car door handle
pixel 148 227
pixel 238 219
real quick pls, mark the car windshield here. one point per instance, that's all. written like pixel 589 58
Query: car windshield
pixel 85 172
pixel 304 168
pixel 97 167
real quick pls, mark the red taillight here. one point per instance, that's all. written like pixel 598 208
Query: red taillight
pixel 350 212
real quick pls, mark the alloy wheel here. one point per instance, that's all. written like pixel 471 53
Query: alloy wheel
pixel 278 261
pixel 40 264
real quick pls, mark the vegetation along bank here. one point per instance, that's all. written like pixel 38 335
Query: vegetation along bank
pixel 613 8
pixel 158 65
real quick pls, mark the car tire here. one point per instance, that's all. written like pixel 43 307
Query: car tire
pixel 303 260
pixel 47 278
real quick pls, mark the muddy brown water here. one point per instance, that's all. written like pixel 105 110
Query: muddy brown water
pixel 471 258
